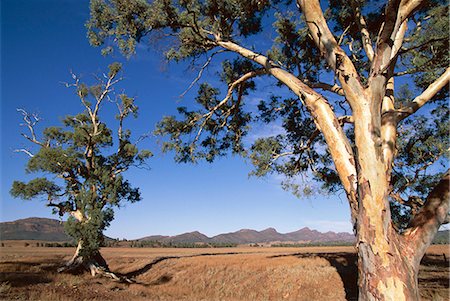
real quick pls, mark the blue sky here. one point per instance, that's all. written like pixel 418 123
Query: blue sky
pixel 41 41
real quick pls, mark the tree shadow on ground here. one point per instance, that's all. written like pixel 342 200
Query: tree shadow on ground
pixel 433 275
pixel 434 272
pixel 18 279
pixel 148 266
pixel 21 273
pixel 344 263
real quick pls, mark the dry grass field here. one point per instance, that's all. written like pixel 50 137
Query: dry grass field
pixel 315 273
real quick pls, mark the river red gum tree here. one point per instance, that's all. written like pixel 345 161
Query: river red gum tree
pixel 365 127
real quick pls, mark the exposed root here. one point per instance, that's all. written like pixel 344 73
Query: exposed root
pixel 105 272
pixel 96 266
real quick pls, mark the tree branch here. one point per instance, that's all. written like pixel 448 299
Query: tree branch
pixel 336 58
pixel 327 87
pixel 366 40
pixel 231 88
pixel 426 96
pixel 322 114
pixel 24 150
pixel 388 127
pixel 427 221
pixel 200 73
pixel 30 122
pixel 396 13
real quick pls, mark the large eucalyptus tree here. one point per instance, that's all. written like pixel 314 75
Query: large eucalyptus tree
pixel 337 72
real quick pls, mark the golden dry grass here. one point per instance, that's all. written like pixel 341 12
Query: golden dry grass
pixel 325 273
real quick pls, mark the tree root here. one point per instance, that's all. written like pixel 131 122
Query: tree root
pixel 96 266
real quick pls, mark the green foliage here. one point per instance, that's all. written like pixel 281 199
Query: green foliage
pixel 127 22
pixel 34 188
pixel 293 44
pixel 90 176
pixel 221 118
pixel 221 131
pixel 90 232
pixel 426 52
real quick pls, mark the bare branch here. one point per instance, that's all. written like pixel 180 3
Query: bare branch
pixel 388 128
pixel 396 14
pixel 30 122
pixel 200 73
pixel 398 41
pixel 231 88
pixel 278 156
pixel 143 137
pixel 242 79
pixel 24 150
pixel 341 38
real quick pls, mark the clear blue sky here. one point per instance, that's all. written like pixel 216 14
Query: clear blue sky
pixel 41 41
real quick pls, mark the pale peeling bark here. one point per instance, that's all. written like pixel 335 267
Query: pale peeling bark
pixel 78 215
pixel 324 118
pixel 336 58
pixel 396 13
pixel 79 263
pixel 362 25
pixel 385 272
pixel 94 263
pixel 427 221
pixel 388 263
pixel 388 121
pixel 388 128
pixel 327 87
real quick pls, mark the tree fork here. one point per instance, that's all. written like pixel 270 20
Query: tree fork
pixel 324 118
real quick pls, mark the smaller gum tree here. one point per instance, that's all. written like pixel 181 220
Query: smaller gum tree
pixel 82 170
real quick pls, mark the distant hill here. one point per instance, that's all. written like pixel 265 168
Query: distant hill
pixel 247 236
pixel 34 228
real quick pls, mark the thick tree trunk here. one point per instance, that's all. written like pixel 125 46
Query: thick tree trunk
pixel 386 271
pixel 94 262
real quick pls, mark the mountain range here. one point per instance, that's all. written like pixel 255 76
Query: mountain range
pixel 35 228
pixel 246 236
pixel 45 229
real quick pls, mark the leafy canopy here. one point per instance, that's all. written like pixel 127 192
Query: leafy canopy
pixel 196 30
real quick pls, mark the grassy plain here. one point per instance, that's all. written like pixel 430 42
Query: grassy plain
pixel 243 273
